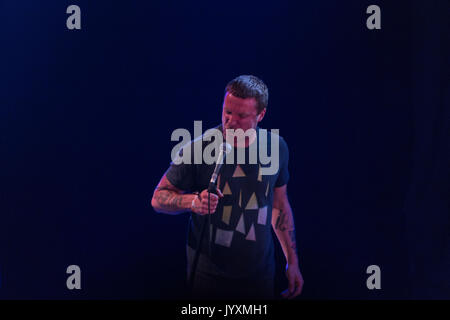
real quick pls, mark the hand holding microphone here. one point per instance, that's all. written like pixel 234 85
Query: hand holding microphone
pixel 224 149
pixel 200 204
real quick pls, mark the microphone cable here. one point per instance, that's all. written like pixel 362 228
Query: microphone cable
pixel 225 148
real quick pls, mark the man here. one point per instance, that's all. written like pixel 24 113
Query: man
pixel 236 258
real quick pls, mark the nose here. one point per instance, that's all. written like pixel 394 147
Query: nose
pixel 231 121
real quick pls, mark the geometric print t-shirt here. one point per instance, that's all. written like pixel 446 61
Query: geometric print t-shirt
pixel 238 240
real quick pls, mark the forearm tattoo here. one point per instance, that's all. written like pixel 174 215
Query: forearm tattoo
pixel 168 199
pixel 282 224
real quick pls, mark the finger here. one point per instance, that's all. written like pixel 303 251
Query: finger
pixel 211 200
pixel 291 286
pixel 301 284
pixel 214 196
pixel 219 193
pixel 211 205
pixel 204 194
pixel 298 286
pixel 285 293
pixel 206 211
pixel 297 291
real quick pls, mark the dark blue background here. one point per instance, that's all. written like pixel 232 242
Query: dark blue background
pixel 86 119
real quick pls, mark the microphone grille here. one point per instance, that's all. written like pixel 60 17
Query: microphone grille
pixel 226 147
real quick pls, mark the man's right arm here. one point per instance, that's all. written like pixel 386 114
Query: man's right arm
pixel 169 199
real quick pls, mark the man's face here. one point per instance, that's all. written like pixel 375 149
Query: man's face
pixel 240 113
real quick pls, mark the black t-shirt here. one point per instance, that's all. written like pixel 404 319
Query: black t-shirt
pixel 242 244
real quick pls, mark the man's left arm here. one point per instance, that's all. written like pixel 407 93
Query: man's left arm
pixel 284 227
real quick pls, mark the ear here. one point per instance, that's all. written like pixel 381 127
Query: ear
pixel 261 115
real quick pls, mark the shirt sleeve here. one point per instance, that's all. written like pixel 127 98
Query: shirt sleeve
pixel 182 175
pixel 283 175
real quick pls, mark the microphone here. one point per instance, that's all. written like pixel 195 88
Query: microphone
pixel 225 148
